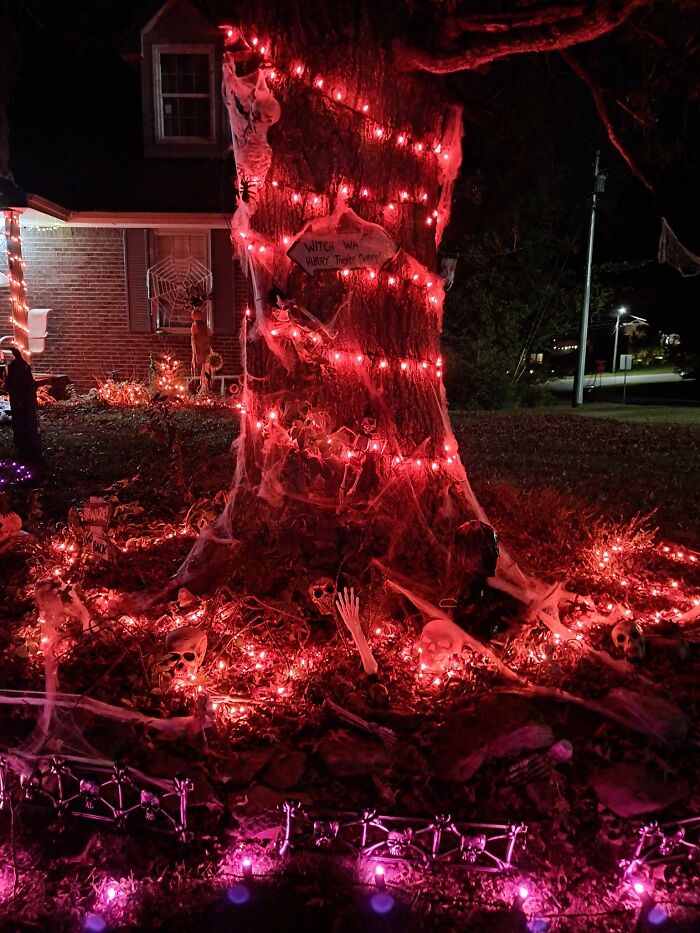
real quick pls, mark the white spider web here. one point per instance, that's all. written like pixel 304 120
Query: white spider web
pixel 171 285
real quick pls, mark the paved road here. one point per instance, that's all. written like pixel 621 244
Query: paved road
pixel 607 379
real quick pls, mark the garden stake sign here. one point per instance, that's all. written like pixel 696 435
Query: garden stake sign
pixel 95 516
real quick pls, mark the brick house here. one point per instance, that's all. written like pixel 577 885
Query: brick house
pixel 107 242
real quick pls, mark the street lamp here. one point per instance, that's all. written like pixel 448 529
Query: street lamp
pixel 620 312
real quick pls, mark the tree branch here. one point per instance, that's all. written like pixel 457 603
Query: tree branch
pixel 602 109
pixel 536 33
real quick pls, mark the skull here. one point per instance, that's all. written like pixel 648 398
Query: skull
pixel 10 525
pixel 369 426
pixel 439 641
pixel 322 594
pixel 185 648
pixel 628 638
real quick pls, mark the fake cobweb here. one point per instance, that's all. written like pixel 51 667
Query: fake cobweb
pixel 173 282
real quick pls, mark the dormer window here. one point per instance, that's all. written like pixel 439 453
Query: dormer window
pixel 184 99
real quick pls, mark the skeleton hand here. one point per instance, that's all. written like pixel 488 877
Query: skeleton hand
pixel 348 606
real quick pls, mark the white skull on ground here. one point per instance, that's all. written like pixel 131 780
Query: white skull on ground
pixel 627 636
pixel 185 648
pixel 439 641
pixel 322 594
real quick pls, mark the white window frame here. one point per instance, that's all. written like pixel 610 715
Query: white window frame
pixel 170 49
pixel 153 258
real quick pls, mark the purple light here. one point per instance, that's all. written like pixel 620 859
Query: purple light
pixel 238 894
pixel 381 903
pixel 95 924
pixel 111 892
pixel 656 916
pixel 639 887
pixel 380 877
pixel 523 892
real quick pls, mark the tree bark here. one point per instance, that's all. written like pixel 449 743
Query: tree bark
pixel 346 457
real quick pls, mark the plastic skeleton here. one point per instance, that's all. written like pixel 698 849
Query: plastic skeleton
pixel 348 606
pixel 56 600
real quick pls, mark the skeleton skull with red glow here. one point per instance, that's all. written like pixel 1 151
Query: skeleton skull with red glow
pixel 185 648
pixel 322 594
pixel 439 641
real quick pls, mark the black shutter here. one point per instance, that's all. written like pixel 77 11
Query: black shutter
pixel 136 264
pixel 224 317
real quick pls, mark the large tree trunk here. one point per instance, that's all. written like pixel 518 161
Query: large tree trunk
pixel 346 456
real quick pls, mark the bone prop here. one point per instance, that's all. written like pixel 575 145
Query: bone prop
pixel 348 606
pixel 386 735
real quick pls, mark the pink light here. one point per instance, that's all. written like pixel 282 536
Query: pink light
pixel 435 214
pixel 523 891
pixel 273 74
pixel 111 892
pixel 275 184
pixel 359 357
pixel 263 50
pixel 338 95
pixel 419 147
pixel 433 465
pixel 345 190
pixel 378 132
pixel 337 356
pixel 319 82
pixel 285 240
pixel 316 200
pixel 380 876
pixel 345 273
pixel 391 206
pixel 364 192
pixel 404 195
pixel 296 198
pixel 299 70
pixel 392 280
pixel 365 108
pixel 372 275
pixel 429 221
pixel 272 415
pixel 404 366
pixel 383 364
pixel 639 887
pixel 401 139
pixel 254 40
pixel 247 867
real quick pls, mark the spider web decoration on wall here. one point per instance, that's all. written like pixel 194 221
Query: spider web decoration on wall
pixel 171 285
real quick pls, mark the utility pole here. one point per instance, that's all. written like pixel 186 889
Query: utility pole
pixel 598 188
pixel 620 312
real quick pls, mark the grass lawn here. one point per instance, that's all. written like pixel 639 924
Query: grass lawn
pixel 624 461
pixel 624 467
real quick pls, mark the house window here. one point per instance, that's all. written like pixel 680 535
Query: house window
pixel 184 104
pixel 536 359
pixel 180 271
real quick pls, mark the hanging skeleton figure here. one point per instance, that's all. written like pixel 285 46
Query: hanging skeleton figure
pixel 200 339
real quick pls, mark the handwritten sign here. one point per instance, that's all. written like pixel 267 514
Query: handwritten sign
pixel 342 241
pixel 96 515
